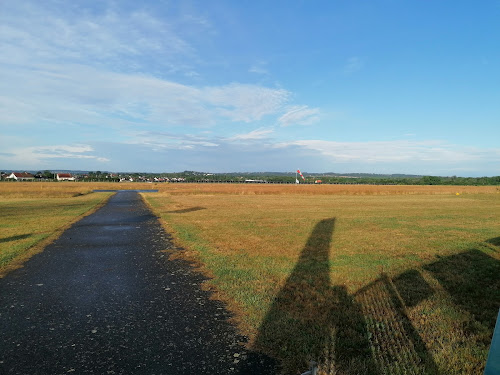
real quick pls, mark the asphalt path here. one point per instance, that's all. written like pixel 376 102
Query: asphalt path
pixel 105 298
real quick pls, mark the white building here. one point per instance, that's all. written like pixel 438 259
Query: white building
pixel 65 177
pixel 21 176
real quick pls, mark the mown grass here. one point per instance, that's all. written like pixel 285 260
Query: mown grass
pixel 271 189
pixel 376 281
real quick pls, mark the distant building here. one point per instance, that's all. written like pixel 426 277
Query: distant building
pixel 65 177
pixel 21 176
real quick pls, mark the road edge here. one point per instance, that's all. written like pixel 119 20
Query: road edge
pixel 20 260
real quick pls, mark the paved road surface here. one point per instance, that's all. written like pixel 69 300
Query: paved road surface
pixel 104 299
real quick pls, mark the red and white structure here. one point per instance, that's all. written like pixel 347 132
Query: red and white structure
pixel 21 176
pixel 300 173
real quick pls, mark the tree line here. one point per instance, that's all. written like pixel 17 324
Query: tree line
pixel 287 179
pixel 280 178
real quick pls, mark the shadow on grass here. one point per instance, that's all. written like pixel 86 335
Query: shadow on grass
pixel 15 238
pixel 368 332
pixel 396 345
pixel 186 210
pixel 472 279
pixel 311 320
pixel 494 241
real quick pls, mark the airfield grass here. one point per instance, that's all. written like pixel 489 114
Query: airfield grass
pixel 62 189
pixel 362 279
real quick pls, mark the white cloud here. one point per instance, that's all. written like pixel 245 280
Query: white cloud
pixel 172 152
pixel 164 140
pixel 71 34
pixel 299 115
pixel 395 151
pixel 247 103
pixel 64 151
pixel 64 93
pixel 71 67
pixel 36 156
pixel 256 134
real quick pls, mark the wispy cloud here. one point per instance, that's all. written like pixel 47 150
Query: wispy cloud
pixel 299 115
pixel 200 153
pixel 246 103
pixel 64 151
pixel 133 84
pixel 256 134
pixel 95 96
pixel 125 40
pixel 36 156
pixel 88 68
pixel 165 140
pixel 80 71
pixel 353 65
pixel 396 151
pixel 259 68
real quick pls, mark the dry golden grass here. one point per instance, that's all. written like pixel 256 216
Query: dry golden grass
pixel 365 279
pixel 358 277
pixel 68 189
pixel 274 189
pixel 61 189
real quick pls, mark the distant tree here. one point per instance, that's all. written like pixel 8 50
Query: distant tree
pixel 431 180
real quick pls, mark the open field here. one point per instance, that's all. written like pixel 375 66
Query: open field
pixel 365 279
pixel 277 189
pixel 64 189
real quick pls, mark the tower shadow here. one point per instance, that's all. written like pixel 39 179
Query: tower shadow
pixel 472 279
pixel 311 320
pixel 369 331
pixel 396 344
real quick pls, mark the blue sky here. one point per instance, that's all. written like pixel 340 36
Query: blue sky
pixel 226 86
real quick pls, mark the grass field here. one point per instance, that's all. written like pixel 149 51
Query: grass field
pixel 363 279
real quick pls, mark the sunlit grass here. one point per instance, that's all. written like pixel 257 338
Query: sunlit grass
pixel 63 189
pixel 363 279
pixel 388 291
